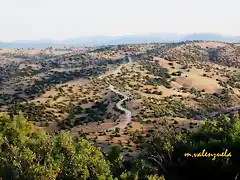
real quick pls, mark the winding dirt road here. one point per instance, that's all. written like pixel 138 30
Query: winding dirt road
pixel 128 113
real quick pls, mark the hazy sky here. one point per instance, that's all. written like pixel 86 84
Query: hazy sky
pixel 60 19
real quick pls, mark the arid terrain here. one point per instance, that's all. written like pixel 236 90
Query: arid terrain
pixel 177 84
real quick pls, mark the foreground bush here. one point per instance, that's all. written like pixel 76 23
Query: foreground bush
pixel 166 150
pixel 29 153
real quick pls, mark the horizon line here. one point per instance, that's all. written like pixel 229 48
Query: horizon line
pixel 104 35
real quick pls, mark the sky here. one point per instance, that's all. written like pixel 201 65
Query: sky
pixel 62 19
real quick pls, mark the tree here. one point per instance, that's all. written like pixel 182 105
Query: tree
pixel 117 129
pixel 151 177
pixel 29 153
pixel 116 160
pixel 165 151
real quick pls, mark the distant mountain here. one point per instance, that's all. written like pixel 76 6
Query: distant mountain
pixel 29 44
pixel 114 40
pixel 44 41
pixel 89 40
pixel 211 37
pixel 127 39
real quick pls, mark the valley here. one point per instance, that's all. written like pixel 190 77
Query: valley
pixel 119 95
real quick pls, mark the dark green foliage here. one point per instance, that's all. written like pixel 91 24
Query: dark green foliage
pixel 158 81
pixel 166 151
pixel 213 102
pixel 34 112
pixel 194 91
pixel 234 80
pixel 156 69
pixel 178 73
pixel 62 77
pixel 97 113
pixel 28 153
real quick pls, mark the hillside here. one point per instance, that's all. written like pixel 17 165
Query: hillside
pixel 170 86
pixel 218 53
